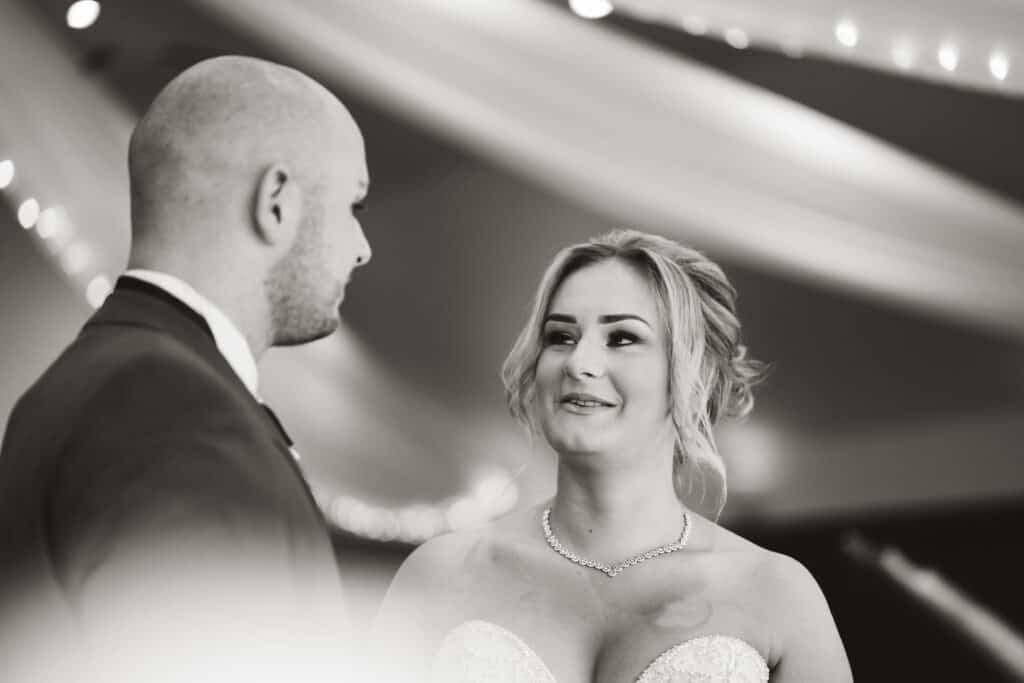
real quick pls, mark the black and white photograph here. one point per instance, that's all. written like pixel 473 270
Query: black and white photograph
pixel 511 341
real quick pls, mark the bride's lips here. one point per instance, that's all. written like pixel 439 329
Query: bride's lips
pixel 583 402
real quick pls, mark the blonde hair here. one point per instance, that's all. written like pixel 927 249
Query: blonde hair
pixel 710 376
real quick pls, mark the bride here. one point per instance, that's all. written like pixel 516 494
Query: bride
pixel 630 355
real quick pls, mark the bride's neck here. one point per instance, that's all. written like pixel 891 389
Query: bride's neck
pixel 607 515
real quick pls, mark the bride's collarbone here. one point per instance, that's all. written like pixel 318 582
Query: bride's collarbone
pixel 539 580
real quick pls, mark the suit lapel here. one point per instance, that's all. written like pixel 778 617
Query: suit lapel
pixel 136 303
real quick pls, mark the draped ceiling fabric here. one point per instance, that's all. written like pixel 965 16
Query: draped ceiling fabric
pixel 627 129
pixel 982 40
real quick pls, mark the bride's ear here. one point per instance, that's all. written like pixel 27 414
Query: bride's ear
pixel 277 210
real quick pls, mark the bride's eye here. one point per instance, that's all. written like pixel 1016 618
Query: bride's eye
pixel 359 207
pixel 558 338
pixel 622 338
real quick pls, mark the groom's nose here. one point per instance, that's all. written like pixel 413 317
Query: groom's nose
pixel 363 250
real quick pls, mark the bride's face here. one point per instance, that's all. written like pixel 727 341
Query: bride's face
pixel 602 375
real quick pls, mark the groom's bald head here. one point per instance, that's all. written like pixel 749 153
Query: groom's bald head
pixel 243 166
pixel 224 119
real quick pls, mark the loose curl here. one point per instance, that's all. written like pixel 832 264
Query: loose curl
pixel 710 375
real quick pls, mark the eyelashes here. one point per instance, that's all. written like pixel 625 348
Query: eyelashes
pixel 359 207
pixel 616 338
pixel 619 338
pixel 558 338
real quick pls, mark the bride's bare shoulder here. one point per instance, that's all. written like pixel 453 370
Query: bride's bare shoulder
pixel 741 560
pixel 466 550
pixel 778 579
pixel 727 542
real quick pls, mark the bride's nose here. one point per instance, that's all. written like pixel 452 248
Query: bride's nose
pixel 587 360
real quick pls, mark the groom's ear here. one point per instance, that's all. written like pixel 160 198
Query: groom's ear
pixel 277 210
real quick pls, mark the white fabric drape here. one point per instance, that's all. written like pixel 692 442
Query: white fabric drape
pixel 677 148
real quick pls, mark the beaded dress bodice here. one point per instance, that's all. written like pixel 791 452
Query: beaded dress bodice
pixel 479 652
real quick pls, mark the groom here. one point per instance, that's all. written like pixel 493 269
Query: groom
pixel 150 504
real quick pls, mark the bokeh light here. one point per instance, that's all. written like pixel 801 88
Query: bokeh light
pixel 83 14
pixel 903 54
pixel 847 33
pixel 6 173
pixel 694 25
pixel 76 258
pixel 98 290
pixel 591 9
pixel 28 213
pixel 999 65
pixel 737 37
pixel 949 57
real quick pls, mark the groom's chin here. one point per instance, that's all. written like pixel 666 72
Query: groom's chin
pixel 324 327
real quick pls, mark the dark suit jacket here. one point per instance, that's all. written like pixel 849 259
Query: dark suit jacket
pixel 145 492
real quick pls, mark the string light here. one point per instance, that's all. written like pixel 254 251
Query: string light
pixel 54 227
pixel 6 173
pixel 903 54
pixel 792 48
pixel 737 38
pixel 420 522
pixel 495 491
pixel 492 495
pixel 949 56
pixel 591 9
pixel 76 258
pixel 846 33
pixel 98 290
pixel 28 213
pixel 694 25
pixel 83 14
pixel 999 65
pixel 463 513
pixel 47 225
pixel 920 54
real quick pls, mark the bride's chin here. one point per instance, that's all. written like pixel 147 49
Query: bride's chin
pixel 576 446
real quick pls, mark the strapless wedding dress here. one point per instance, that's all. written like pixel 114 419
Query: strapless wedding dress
pixel 482 652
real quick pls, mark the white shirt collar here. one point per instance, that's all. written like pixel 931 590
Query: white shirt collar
pixel 229 340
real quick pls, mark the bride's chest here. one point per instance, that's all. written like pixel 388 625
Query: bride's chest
pixel 611 636
pixel 480 650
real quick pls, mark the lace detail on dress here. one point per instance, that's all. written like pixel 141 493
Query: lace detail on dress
pixel 708 659
pixel 482 652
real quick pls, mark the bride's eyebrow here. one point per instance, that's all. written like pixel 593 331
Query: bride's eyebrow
pixel 604 319
pixel 619 317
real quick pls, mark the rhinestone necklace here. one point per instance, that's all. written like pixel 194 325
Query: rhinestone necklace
pixel 557 546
